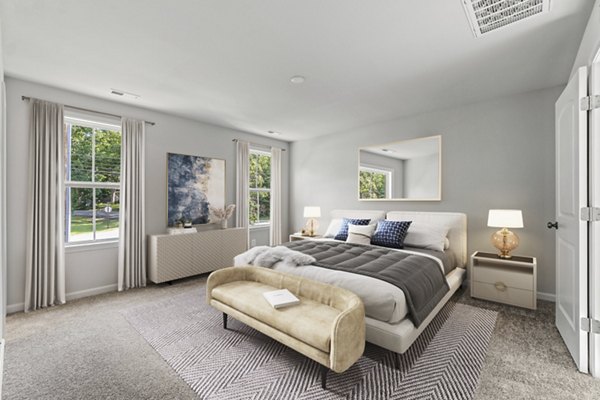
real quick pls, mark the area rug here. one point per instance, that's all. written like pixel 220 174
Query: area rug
pixel 241 363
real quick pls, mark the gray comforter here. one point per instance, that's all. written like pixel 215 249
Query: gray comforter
pixel 419 277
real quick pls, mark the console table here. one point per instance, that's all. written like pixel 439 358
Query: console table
pixel 173 257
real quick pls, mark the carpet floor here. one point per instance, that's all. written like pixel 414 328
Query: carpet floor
pixel 241 363
pixel 87 349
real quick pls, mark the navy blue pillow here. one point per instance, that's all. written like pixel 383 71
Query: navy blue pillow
pixel 390 233
pixel 343 233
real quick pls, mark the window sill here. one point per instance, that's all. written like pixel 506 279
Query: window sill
pixel 259 226
pixel 91 246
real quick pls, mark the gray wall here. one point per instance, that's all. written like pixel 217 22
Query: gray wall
pixel 393 164
pixel 94 269
pixel 2 200
pixel 590 43
pixel 421 177
pixel 495 154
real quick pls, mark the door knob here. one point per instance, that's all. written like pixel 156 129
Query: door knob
pixel 551 225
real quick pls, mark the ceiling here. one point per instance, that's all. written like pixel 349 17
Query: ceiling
pixel 407 149
pixel 229 62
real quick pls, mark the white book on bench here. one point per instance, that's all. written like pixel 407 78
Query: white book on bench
pixel 281 298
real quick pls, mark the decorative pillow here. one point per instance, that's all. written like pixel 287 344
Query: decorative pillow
pixel 446 244
pixel 360 234
pixel 426 236
pixel 390 233
pixel 343 232
pixel 333 228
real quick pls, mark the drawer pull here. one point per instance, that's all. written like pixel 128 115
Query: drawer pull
pixel 500 286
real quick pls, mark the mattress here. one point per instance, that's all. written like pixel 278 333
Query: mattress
pixel 383 301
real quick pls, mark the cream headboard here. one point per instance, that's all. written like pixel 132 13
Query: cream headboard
pixel 456 222
pixel 373 215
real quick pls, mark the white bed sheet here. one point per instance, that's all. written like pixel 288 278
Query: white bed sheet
pixel 383 301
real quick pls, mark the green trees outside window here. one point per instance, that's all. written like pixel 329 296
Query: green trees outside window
pixel 260 187
pixel 373 184
pixel 92 176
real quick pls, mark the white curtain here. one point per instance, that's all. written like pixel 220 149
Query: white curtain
pixel 275 196
pixel 242 182
pixel 132 230
pixel 45 257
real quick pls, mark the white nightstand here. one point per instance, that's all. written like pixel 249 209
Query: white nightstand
pixel 511 281
pixel 299 236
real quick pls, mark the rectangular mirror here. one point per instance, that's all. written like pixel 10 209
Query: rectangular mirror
pixel 409 170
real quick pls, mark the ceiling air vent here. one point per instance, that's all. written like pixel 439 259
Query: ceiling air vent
pixel 489 15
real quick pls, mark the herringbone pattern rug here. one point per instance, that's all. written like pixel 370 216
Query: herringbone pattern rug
pixel 241 363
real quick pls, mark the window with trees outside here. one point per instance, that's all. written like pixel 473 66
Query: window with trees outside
pixel 375 183
pixel 260 187
pixel 92 181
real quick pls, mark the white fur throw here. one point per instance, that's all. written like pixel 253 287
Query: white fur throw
pixel 265 256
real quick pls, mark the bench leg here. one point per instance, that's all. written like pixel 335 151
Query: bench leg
pixel 396 360
pixel 224 321
pixel 324 371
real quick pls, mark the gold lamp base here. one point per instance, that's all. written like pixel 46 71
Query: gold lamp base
pixel 505 241
pixel 311 227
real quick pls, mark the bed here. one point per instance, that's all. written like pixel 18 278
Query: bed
pixel 387 323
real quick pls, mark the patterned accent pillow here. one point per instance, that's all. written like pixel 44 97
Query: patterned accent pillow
pixel 360 234
pixel 343 232
pixel 390 233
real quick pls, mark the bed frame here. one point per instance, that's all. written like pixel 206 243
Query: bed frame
pixel 400 336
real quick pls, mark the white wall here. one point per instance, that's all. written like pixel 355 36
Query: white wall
pixel 421 177
pixel 495 154
pixel 89 271
pixel 2 198
pixel 590 43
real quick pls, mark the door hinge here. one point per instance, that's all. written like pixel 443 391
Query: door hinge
pixel 590 214
pixel 589 103
pixel 590 325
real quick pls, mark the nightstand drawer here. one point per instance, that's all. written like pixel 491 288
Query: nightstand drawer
pixel 519 278
pixel 507 295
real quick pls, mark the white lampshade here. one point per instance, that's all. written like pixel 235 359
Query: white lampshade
pixel 312 212
pixel 505 219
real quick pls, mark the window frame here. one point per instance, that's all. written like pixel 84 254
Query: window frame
pixel 389 173
pixel 258 225
pixel 68 122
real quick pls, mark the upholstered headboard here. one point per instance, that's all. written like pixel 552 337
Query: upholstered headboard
pixel 373 215
pixel 456 222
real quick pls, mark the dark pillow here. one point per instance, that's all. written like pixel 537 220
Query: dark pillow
pixel 390 233
pixel 343 232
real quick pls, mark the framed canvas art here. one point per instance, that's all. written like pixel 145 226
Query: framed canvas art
pixel 193 184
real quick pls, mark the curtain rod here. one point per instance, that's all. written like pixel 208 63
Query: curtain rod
pixel 26 98
pixel 258 144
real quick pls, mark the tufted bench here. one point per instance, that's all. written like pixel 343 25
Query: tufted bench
pixel 327 326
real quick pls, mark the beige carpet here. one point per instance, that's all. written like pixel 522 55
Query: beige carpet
pixel 86 349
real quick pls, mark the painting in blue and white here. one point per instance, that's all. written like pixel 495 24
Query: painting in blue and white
pixel 194 184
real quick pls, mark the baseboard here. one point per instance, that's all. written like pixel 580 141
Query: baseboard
pixel 92 292
pixel 13 308
pixel 546 296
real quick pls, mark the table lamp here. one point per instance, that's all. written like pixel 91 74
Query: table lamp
pixel 505 240
pixel 312 213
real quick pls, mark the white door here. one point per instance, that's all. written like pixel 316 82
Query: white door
pixel 572 235
pixel 595 227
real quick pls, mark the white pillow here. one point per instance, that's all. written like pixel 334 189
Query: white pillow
pixel 427 236
pixel 446 244
pixel 360 234
pixel 334 227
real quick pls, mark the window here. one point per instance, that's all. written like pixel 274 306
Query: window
pixel 375 183
pixel 92 180
pixel 260 187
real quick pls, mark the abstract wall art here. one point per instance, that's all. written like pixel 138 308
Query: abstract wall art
pixel 193 184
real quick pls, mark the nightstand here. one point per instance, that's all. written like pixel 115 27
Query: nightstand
pixel 299 236
pixel 510 281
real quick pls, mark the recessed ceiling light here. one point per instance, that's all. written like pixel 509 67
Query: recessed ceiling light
pixel 388 150
pixel 275 133
pixel 297 79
